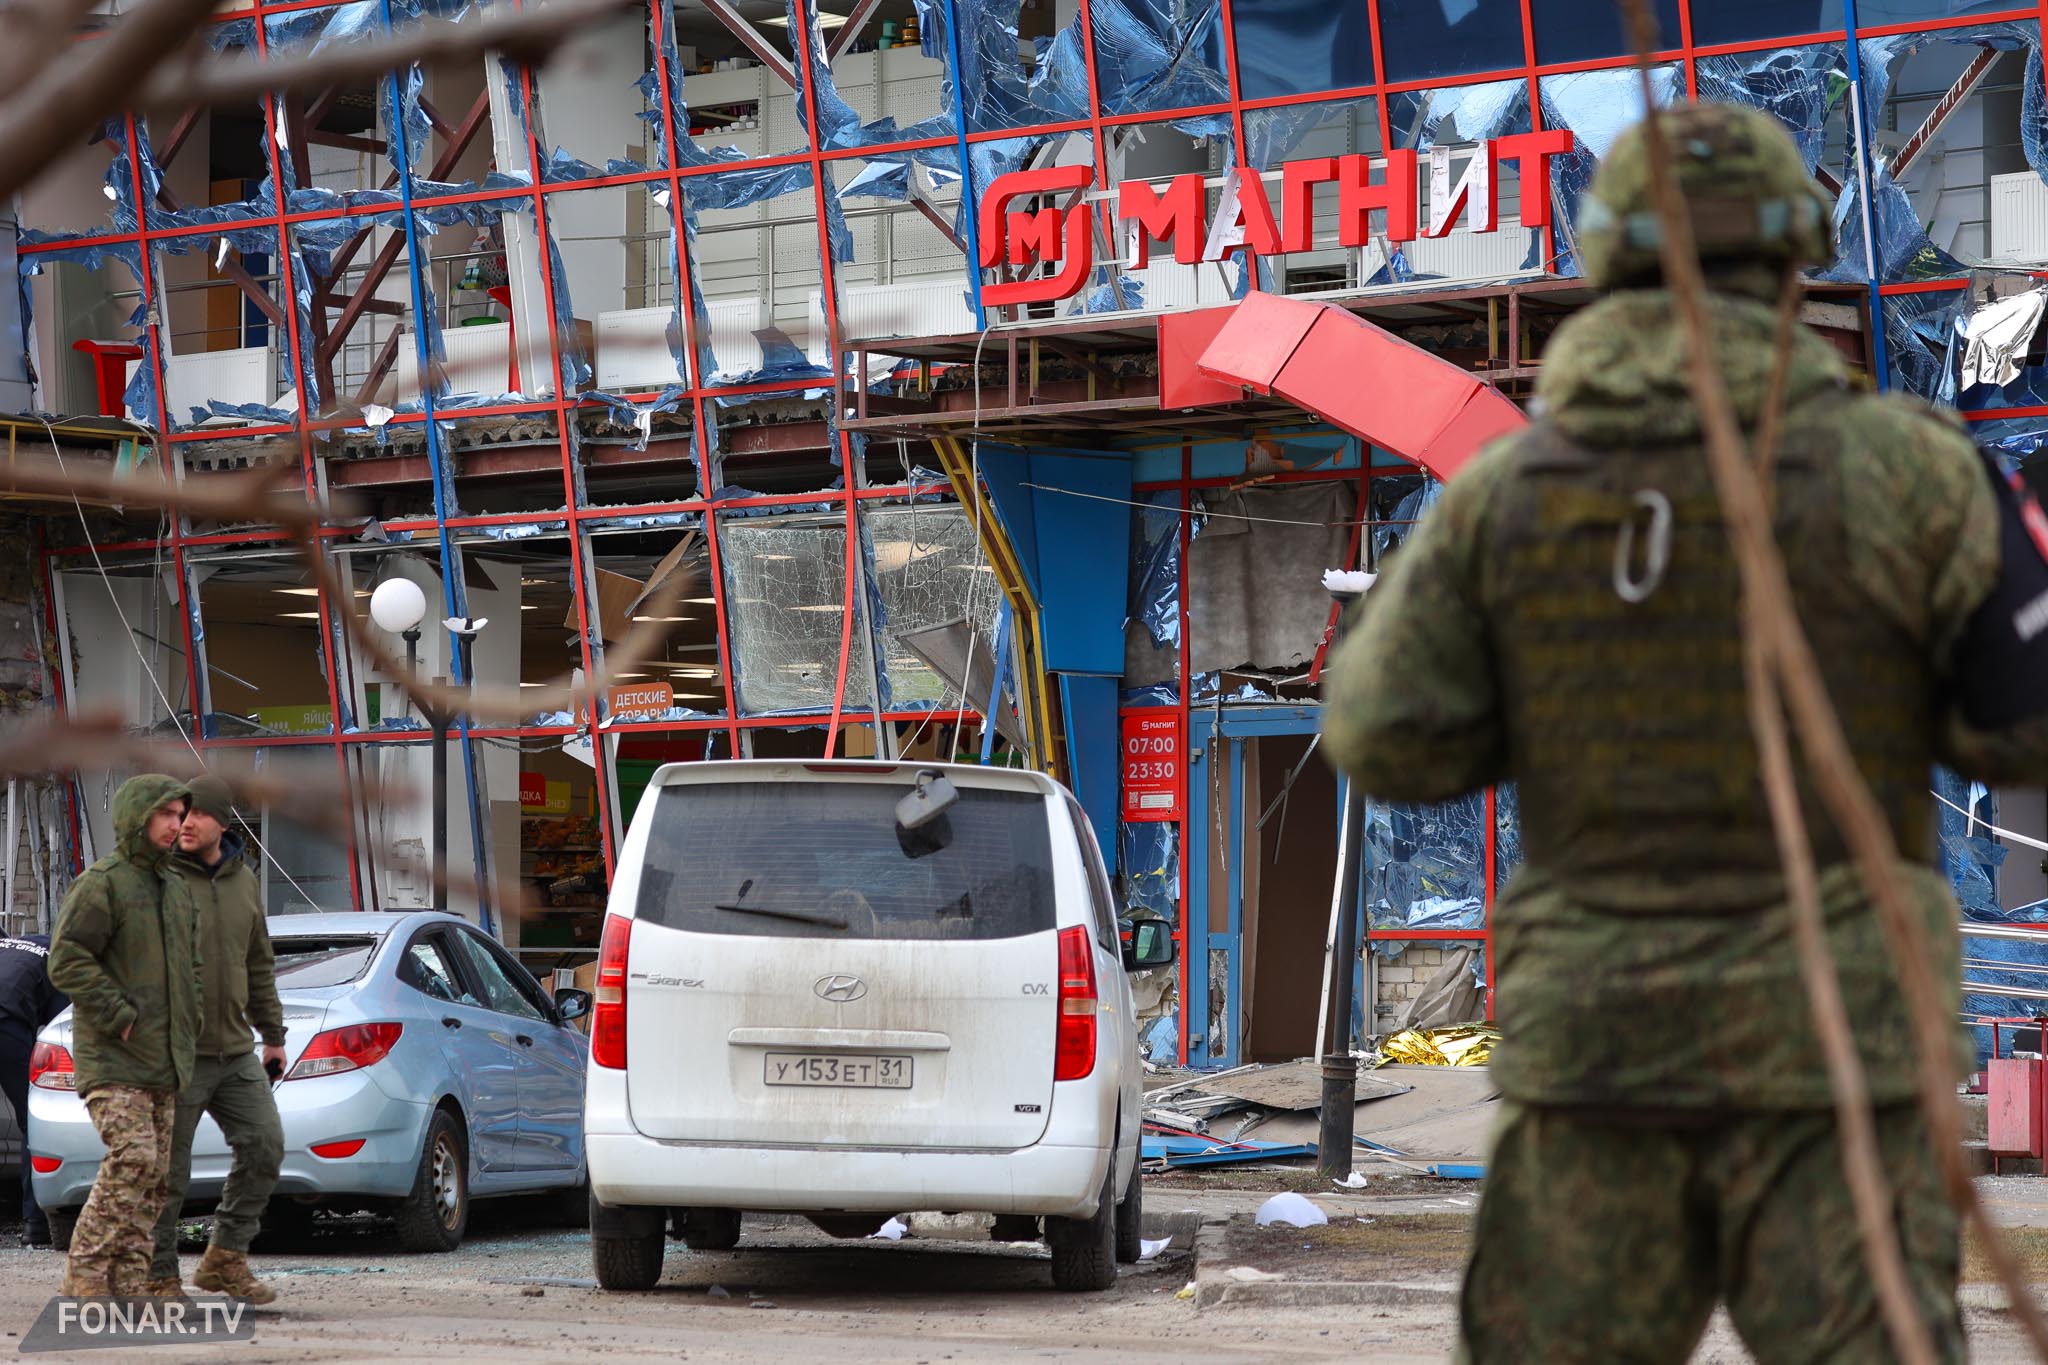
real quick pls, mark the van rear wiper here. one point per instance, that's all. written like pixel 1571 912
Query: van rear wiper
pixel 829 921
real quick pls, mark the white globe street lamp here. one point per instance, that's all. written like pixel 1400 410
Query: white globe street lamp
pixel 398 605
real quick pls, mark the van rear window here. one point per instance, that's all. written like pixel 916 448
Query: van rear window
pixel 827 860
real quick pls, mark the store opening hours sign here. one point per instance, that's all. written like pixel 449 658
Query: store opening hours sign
pixel 1151 765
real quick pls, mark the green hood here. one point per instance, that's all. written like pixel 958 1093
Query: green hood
pixel 1618 373
pixel 133 803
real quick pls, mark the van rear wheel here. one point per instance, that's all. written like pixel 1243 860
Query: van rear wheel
pixel 630 1263
pixel 1084 1249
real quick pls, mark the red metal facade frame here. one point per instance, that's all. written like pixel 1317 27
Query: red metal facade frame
pixel 577 521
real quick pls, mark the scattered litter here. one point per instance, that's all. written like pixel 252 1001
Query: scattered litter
pixel 719 1291
pixel 533 1291
pixel 1245 1274
pixel 1147 1248
pixel 1187 1291
pixel 1349 581
pixel 761 1303
pixel 1354 1181
pixel 891 1231
pixel 1291 1210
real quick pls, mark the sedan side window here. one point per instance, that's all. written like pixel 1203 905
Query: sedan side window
pixel 501 990
pixel 427 969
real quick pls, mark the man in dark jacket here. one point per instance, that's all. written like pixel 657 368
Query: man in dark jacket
pixel 27 1002
pixel 125 953
pixel 229 1082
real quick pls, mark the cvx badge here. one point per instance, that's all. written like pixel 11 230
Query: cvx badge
pixel 840 989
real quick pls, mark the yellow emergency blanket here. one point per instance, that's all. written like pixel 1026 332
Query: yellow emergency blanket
pixel 1460 1045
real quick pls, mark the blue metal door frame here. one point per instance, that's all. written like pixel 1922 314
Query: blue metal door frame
pixel 1205 729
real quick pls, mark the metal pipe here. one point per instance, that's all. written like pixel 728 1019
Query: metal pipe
pixel 2039 935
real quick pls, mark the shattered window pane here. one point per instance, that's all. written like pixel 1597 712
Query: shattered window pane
pixel 1958 149
pixel 785 601
pixel 929 571
pixel 1425 865
pixel 1159 54
pixel 1436 38
pixel 1582 30
pixel 1291 47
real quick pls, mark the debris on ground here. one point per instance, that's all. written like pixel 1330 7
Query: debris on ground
pixel 891 1231
pixel 1430 1119
pixel 1291 1210
pixel 1461 1045
pixel 1149 1249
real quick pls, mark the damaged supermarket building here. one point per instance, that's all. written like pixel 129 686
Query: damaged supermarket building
pixel 1019 358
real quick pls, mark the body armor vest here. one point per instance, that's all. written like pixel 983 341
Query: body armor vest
pixel 1616 606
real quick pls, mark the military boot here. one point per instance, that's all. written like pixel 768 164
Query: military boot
pixel 227 1272
pixel 83 1285
pixel 164 1287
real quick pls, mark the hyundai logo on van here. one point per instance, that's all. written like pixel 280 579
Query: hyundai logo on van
pixel 840 990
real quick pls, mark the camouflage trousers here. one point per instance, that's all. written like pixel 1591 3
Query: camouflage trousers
pixel 237 1093
pixel 1609 1239
pixel 111 1244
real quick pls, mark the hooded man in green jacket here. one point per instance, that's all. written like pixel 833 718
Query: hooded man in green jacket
pixel 124 952
pixel 229 1081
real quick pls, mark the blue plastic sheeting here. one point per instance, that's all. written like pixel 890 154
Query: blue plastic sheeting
pixel 1392 531
pixel 1148 870
pixel 140 395
pixel 1426 865
pixel 1154 599
pixel 1507 833
pixel 1446 1170
pixel 2027 963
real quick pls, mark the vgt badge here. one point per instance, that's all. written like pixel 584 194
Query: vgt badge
pixel 840 990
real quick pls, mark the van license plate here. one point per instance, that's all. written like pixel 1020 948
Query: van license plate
pixel 829 1072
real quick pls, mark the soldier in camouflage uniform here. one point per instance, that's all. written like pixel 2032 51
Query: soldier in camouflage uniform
pixel 125 952
pixel 1567 618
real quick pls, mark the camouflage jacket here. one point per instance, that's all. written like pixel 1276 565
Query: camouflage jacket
pixel 125 950
pixel 1644 948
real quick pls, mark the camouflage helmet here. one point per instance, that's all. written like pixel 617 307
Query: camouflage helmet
pixel 1752 200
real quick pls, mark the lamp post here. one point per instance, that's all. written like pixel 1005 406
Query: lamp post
pixel 1340 1067
pixel 399 605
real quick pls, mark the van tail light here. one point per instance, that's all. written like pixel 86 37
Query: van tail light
pixel 345 1049
pixel 49 1066
pixel 608 1014
pixel 1074 1049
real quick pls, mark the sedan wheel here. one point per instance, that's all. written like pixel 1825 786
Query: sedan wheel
pixel 434 1215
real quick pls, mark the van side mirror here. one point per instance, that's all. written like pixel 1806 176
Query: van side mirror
pixel 1150 945
pixel 571 1003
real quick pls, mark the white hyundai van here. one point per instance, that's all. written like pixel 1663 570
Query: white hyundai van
pixel 856 990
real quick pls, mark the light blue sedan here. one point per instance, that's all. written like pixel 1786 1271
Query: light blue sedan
pixel 424 1068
